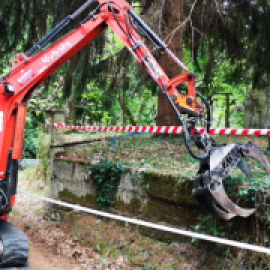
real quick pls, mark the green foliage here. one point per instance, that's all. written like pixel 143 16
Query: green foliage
pixel 250 189
pixel 103 106
pixel 30 139
pixel 254 191
pixel 95 106
pixel 139 177
pixel 89 82
pixel 221 65
pixel 208 225
pixel 106 175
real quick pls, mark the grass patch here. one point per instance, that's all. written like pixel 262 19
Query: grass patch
pixel 33 176
pixel 166 154
pixel 29 174
pixel 15 213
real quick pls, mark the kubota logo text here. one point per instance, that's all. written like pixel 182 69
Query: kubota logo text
pixel 57 52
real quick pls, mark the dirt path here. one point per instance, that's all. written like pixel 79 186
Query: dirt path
pixel 41 259
pixel 40 256
pixel 27 215
pixel 52 247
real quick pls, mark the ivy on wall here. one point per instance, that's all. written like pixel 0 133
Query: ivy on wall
pixel 106 175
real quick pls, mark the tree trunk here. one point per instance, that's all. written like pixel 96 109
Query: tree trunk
pixel 227 113
pixel 126 112
pixel 172 17
pixel 257 110
pixel 69 92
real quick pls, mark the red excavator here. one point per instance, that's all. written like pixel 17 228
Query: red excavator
pixel 33 67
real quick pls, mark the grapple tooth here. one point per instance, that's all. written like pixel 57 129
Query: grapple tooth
pixel 244 168
pixel 223 200
pixel 255 152
pixel 206 202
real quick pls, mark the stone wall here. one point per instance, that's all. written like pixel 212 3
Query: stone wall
pixel 163 198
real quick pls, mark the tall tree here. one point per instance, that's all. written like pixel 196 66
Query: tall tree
pixel 166 17
pixel 172 18
pixel 237 31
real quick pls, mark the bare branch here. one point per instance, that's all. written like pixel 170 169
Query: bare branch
pixel 218 9
pixel 169 38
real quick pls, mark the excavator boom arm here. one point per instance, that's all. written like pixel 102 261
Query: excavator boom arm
pixel 32 68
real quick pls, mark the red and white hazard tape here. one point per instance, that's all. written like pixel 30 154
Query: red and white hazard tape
pixel 166 129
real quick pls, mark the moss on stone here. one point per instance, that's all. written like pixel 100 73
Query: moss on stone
pixel 120 205
pixel 158 210
pixel 177 189
pixel 73 160
pixel 168 213
pixel 133 207
pixel 169 200
pixel 88 200
pixel 59 154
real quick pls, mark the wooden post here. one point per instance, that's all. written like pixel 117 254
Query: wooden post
pixel 227 113
pixel 227 110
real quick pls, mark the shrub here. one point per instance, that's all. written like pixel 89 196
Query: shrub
pixel 106 175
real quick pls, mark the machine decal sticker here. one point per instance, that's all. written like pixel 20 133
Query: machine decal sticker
pixel 62 48
pixel 26 77
pixel 151 65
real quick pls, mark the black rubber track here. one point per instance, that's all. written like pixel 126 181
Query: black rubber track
pixel 15 247
pixel 16 268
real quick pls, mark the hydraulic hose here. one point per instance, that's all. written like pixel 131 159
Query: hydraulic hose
pixel 209 120
pixel 186 132
pixel 208 111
